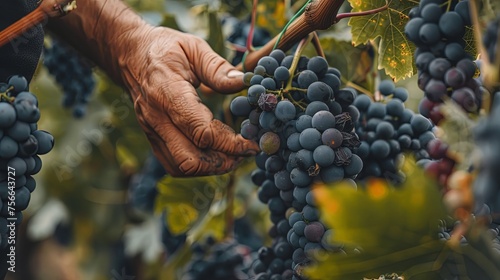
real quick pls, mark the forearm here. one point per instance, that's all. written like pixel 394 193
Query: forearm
pixel 105 31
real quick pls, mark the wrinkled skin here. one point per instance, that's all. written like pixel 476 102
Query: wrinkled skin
pixel 183 131
pixel 161 68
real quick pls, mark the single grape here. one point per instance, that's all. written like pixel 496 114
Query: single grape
pixel 268 83
pixel 269 63
pixel 316 106
pixel 454 52
pixel 438 67
pixel 324 156
pixel 318 65
pixel 455 77
pixel 323 120
pixel 281 74
pixel 380 149
pixel 429 33
pixel 303 122
pixel 306 78
pixel 462 8
pixel 431 13
pixel 45 141
pixel 269 143
pixel 319 91
pixel 285 110
pixel 7 115
pixel 240 106
pixel 278 55
pixel 354 167
pixel 332 137
pixel 386 87
pixel 420 124
pixel 451 25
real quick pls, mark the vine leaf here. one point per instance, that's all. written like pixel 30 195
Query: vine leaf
pixel 186 201
pixel 393 228
pixel 395 50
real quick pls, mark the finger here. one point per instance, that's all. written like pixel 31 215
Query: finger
pixel 179 155
pixel 197 123
pixel 190 160
pixel 213 70
pixel 224 137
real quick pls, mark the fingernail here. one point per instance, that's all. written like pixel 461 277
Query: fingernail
pixel 234 74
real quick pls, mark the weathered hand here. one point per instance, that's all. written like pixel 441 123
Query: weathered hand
pixel 161 68
pixel 183 132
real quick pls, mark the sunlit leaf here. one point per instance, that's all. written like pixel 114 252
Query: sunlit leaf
pixel 395 50
pixel 393 228
pixel 187 200
pixel 125 157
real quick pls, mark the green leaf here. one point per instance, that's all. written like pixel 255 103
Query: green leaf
pixel 394 228
pixel 395 50
pixel 187 200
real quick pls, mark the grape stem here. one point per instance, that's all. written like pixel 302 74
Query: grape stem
pixel 317 16
pixel 296 57
pixel 252 26
pixel 5 95
pixel 364 13
pixel 317 45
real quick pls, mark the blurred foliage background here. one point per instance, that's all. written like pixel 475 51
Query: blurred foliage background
pixel 80 224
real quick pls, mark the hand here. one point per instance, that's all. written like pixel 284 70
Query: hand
pixel 183 132
pixel 161 68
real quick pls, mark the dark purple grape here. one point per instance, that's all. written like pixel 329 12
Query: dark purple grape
pixel 332 137
pixel 455 77
pixel 267 102
pixel 429 33
pixel 465 98
pixel 240 106
pixel 451 25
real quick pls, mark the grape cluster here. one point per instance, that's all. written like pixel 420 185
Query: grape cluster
pixel 482 213
pixel 20 144
pixel 143 185
pixel 218 261
pixel 304 124
pixel 73 73
pixel 387 129
pixel 444 67
pixel 490 39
